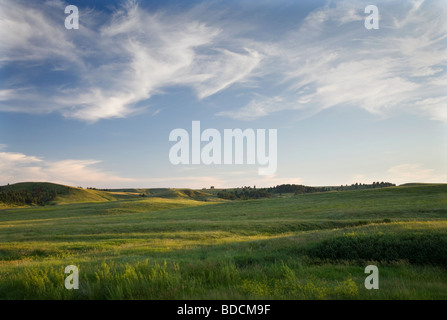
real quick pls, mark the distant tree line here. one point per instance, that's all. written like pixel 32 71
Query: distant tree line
pixel 92 188
pixel 359 186
pixel 299 189
pixel 296 189
pixel 246 193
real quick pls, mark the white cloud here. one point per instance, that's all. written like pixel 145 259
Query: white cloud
pixel 333 60
pixel 29 34
pixel 231 67
pixel 9 158
pixel 18 167
pixel 126 60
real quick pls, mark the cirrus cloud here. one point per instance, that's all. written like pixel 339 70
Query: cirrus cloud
pixel 131 56
pixel 332 60
pixel 116 61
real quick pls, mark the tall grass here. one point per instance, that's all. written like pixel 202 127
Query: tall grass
pixel 428 247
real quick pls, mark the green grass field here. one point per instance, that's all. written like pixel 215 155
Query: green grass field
pixel 180 244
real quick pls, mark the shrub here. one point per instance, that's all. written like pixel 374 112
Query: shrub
pixel 417 248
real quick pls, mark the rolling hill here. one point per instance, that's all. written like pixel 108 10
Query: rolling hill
pixel 29 193
pixel 167 245
pixel 170 246
pixel 56 194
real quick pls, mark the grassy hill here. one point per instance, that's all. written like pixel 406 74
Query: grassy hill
pixel 61 194
pixel 67 194
pixel 182 194
pixel 309 246
pixel 170 193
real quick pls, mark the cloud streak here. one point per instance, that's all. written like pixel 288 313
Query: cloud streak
pixel 111 66
pixel 332 60
pixel 131 56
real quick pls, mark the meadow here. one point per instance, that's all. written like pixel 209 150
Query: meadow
pixel 188 244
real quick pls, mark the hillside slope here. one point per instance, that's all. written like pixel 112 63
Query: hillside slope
pixel 46 193
pixel 34 193
pixel 168 193
pixel 306 246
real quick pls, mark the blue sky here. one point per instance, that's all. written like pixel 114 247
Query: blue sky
pixel 94 107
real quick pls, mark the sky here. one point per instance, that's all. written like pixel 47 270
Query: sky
pixel 95 106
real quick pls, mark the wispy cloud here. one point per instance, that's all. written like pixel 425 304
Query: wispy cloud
pixel 333 60
pixel 30 34
pixel 131 56
pixel 112 63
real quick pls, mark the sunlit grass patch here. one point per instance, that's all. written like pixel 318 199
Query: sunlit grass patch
pixel 312 246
